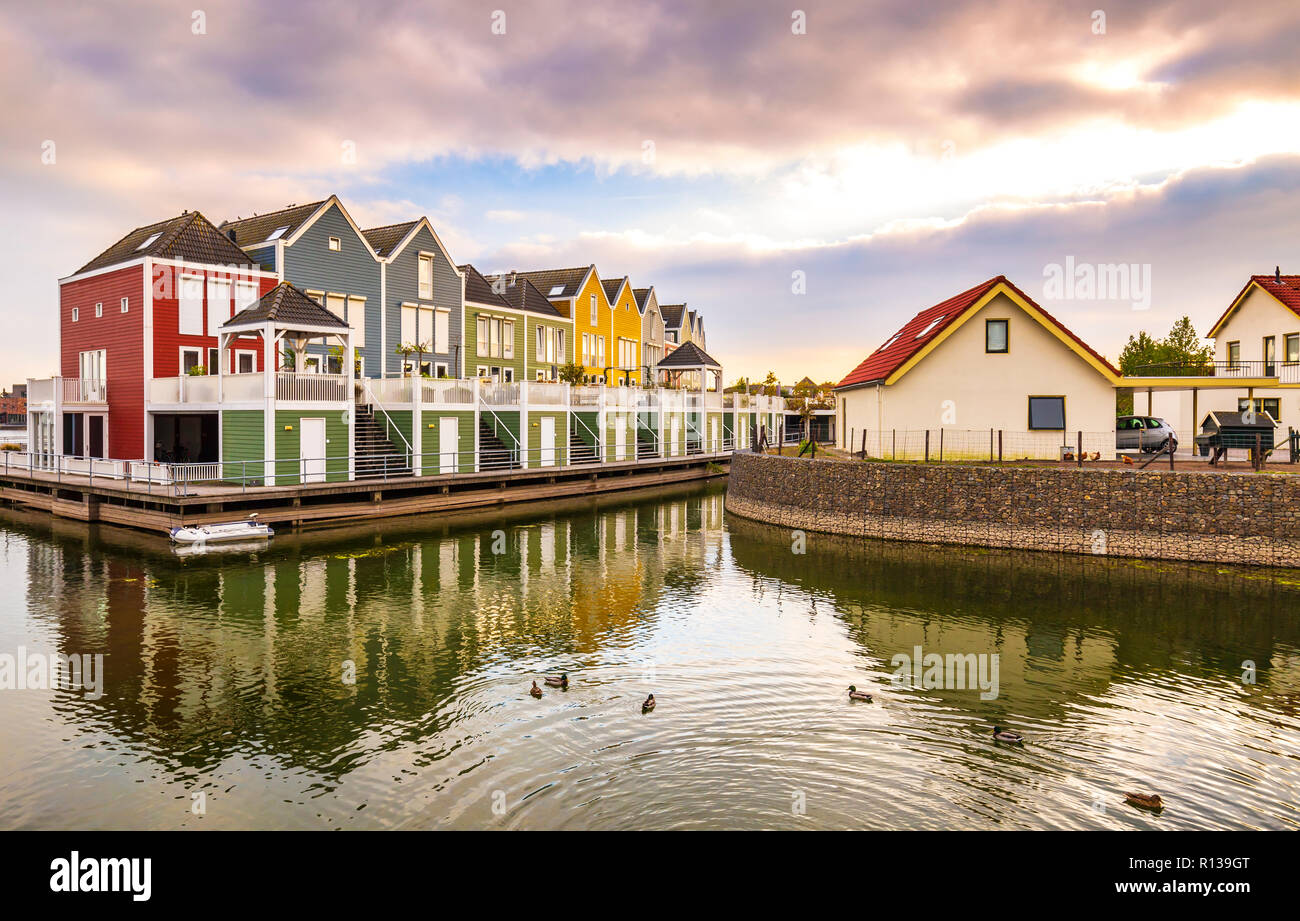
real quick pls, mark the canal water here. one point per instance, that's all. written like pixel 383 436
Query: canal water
pixel 378 677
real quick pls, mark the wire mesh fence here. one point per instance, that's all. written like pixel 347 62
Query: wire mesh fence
pixel 958 445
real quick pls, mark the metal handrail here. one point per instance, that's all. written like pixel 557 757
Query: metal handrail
pixel 389 424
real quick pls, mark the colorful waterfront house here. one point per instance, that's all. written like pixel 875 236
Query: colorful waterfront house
pixel 319 248
pixel 136 321
pixel 652 330
pixel 986 360
pixel 422 292
pixel 1256 363
pixel 625 323
pixel 304 421
pixel 578 295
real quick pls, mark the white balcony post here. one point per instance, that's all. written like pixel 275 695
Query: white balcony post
pixel 349 359
pixel 268 403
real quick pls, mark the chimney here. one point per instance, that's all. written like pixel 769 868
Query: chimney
pixel 1277 274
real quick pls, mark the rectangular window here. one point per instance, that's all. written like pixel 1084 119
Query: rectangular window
pixel 190 358
pixel 337 305
pixel 245 362
pixel 245 294
pixel 99 310
pixel 91 365
pixel 212 367
pixel 540 352
pixel 317 296
pixel 76 314
pixel 333 364
pixel 600 352
pixel 1270 405
pixel 426 278
pixel 409 318
pixel 357 320
pixel 507 338
pixel 995 336
pixel 595 320
pixel 442 332
pixel 559 347
pixel 125 305
pixel 509 375
pixel 1234 354
pixel 1293 347
pixel 586 348
pixel 218 304
pixel 336 245
pixel 481 344
pixel 191 306
pixel 1047 414
pixel 1270 355
pixel 482 371
pixel 440 369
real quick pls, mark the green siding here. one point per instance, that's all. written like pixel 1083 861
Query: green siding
pixel 242 440
pixel 473 359
pixel 288 448
pixel 430 443
pixel 535 438
pixel 399 419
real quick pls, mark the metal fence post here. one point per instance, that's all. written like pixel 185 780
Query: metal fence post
pixel 1079 453
pixel 927 446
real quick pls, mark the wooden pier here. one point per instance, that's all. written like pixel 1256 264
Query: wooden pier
pixel 135 505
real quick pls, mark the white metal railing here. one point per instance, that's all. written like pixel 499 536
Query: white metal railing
pixel 392 390
pixel 79 390
pixel 1288 372
pixel 585 395
pixel 494 394
pixel 290 385
pixel 544 393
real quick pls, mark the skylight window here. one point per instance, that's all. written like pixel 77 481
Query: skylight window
pixel 149 241
pixel 888 344
pixel 555 289
pixel 929 329
pixel 278 232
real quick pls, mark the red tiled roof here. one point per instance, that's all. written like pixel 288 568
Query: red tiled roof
pixel 931 322
pixel 1287 294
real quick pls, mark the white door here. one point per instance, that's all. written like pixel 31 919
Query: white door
pixel 311 450
pixel 620 436
pixel 675 435
pixel 548 441
pixel 448 443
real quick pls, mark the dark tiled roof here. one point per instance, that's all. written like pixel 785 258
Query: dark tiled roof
pixel 384 239
pixel 253 230
pixel 689 355
pixel 672 314
pixel 931 322
pixel 568 281
pixel 612 286
pixel 642 297
pixel 285 304
pixel 189 236
pixel 523 295
pixel 479 289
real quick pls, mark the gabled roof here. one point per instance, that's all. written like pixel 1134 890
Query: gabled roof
pixel 479 290
pixel 256 229
pixel 189 237
pixel 642 297
pixel 285 305
pixel 385 239
pixel 932 325
pixel 1285 289
pixel 614 288
pixel 559 284
pixel 523 295
pixel 689 355
pixel 672 314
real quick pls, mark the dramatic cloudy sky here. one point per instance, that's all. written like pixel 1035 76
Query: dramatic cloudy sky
pixel 895 153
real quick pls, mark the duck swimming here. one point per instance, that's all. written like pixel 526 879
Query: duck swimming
pixel 649 704
pixel 535 690
pixel 855 694
pixel 560 681
pixel 1145 800
pixel 1006 735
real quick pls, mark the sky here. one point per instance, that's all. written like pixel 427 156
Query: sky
pixel 808 177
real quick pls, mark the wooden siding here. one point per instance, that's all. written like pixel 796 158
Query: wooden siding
pixel 473 360
pixel 121 336
pixel 312 266
pixel 242 440
pixel 167 337
pixel 288 451
pixel 430 443
pixel 626 324
pixel 403 286
pixel 535 438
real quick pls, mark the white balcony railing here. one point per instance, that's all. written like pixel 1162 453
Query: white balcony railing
pixel 447 390
pixel 494 394
pixel 79 390
pixel 290 385
pixel 544 393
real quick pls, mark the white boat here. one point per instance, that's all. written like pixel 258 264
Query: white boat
pixel 248 529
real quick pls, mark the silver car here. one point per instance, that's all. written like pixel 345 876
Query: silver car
pixel 1144 433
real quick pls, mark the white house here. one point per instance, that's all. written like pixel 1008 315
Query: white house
pixel 1257 343
pixel 987 359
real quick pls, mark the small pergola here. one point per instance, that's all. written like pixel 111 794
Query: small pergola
pixel 690 358
pixel 285 314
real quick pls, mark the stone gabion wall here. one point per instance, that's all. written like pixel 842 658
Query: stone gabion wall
pixel 1212 517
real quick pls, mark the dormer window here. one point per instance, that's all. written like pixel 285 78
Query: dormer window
pixel 149 241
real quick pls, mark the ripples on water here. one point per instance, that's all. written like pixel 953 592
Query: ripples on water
pixel 224 675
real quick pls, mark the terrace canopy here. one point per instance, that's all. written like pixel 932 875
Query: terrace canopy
pixel 285 314
pixel 689 358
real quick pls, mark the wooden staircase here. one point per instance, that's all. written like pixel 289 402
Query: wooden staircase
pixel 376 456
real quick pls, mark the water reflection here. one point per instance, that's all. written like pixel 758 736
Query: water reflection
pixel 226 674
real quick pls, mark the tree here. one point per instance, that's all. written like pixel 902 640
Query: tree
pixel 1183 350
pixel 771 386
pixel 571 373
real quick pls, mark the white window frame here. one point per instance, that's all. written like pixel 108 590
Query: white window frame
pixel 99 309
pixel 441 330
pixel 126 304
pixel 440 369
pixel 219 313
pixel 358 324
pixel 317 296
pixel 559 346
pixel 76 314
pixel 482 371
pixel 424 290
pixel 335 245
pixel 195 327
pixel 507 338
pixel 244 302
pixel 595 313
pixel 198 355
pixel 252 354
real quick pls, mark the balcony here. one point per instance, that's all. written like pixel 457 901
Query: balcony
pixel 1216 369
pixel 68 391
pixel 213 389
